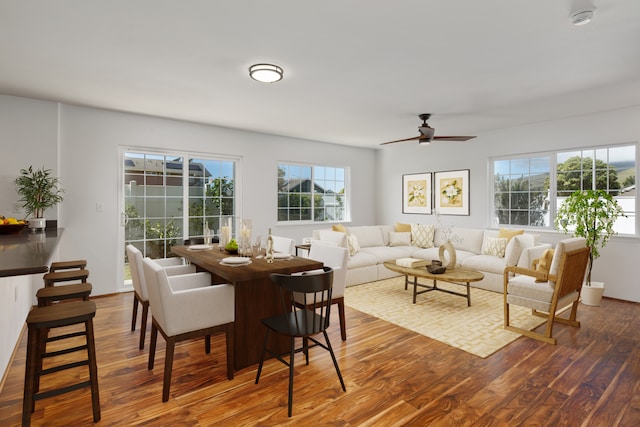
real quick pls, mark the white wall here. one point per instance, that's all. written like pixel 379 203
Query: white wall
pixel 617 267
pixel 89 146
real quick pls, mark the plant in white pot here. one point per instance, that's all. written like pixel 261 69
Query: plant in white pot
pixel 590 214
pixel 39 191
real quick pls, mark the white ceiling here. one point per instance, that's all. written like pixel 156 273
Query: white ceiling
pixel 357 72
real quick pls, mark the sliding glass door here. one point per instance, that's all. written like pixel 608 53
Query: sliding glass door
pixel 170 197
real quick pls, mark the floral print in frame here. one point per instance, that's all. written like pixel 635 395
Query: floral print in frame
pixel 416 193
pixel 451 189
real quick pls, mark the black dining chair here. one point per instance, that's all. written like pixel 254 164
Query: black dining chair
pixel 306 303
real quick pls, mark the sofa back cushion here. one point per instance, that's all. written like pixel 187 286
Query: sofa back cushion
pixel 464 239
pixel 368 235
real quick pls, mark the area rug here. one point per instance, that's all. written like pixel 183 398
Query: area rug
pixel 444 317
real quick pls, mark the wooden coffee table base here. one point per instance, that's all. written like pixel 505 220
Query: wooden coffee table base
pixel 428 288
pixel 457 276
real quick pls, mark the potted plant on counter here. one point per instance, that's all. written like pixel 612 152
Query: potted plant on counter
pixel 590 214
pixel 39 191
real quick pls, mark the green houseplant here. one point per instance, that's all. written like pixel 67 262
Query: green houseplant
pixel 39 191
pixel 590 214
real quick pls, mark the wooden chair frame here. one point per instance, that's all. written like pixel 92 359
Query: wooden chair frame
pixel 569 279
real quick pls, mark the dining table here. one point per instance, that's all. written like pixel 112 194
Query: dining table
pixel 256 296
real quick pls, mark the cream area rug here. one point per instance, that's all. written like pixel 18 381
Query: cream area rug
pixel 444 317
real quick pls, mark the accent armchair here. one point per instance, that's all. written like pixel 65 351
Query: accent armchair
pixel 548 293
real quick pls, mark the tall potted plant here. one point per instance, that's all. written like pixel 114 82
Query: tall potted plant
pixel 39 191
pixel 590 214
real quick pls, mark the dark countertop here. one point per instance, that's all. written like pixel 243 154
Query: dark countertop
pixel 27 252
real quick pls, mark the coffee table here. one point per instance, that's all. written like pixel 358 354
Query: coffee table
pixel 457 276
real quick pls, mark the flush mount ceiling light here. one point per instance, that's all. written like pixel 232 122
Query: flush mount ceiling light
pixel 582 16
pixel 266 73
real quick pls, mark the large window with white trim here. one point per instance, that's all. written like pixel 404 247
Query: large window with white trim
pixel 311 193
pixel 527 189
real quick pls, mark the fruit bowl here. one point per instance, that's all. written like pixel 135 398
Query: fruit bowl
pixel 11 228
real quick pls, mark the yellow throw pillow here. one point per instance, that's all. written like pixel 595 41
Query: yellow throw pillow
pixel 543 263
pixel 506 233
pixel 338 227
pixel 403 228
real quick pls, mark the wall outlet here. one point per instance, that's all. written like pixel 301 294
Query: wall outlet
pixel 99 207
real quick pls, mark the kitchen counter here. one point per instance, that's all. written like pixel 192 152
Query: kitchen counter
pixel 27 252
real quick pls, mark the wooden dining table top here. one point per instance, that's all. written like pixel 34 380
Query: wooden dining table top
pixel 258 268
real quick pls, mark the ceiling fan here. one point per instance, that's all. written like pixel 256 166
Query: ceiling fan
pixel 427 134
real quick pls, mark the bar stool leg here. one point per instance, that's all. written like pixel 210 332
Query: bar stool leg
pixel 93 370
pixel 29 378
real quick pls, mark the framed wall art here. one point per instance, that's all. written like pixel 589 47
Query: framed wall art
pixel 416 193
pixel 451 189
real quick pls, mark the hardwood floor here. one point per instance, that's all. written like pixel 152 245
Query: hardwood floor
pixel 393 377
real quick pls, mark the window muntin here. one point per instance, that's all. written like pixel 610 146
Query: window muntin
pixel 527 189
pixel 311 193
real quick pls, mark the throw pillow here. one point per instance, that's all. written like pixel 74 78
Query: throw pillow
pixel 354 246
pixel 494 246
pixel 513 251
pixel 508 233
pixel 339 228
pixel 543 263
pixel 401 228
pixel 422 235
pixel 333 236
pixel 399 239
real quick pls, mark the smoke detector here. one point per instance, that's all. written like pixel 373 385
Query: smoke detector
pixel 582 16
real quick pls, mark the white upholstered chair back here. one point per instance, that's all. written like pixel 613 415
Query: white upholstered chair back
pixel 335 257
pixel 284 245
pixel 187 302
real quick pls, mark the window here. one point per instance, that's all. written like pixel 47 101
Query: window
pixel 527 189
pixel 311 193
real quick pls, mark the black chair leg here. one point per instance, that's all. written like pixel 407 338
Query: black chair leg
pixel 335 362
pixel 264 349
pixel 291 360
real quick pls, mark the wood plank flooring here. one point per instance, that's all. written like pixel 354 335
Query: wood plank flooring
pixel 394 378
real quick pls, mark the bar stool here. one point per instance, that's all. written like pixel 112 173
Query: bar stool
pixel 39 321
pixel 46 296
pixel 79 264
pixel 64 276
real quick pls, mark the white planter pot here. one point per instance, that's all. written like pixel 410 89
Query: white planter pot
pixel 592 295
pixel 38 223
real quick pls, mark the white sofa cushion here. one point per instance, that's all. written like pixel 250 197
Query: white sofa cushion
pixel 399 238
pixel 368 235
pixel 389 253
pixel 485 263
pixel 466 239
pixel 336 237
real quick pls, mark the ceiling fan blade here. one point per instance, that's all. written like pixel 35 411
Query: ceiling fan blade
pixel 403 140
pixel 453 138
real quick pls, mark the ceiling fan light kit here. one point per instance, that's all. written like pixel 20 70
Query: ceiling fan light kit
pixel 266 73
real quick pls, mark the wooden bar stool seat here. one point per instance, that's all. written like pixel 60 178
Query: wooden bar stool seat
pixel 63 292
pixel 39 321
pixel 78 264
pixel 65 276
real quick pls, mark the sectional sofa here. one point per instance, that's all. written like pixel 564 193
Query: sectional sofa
pixel 488 251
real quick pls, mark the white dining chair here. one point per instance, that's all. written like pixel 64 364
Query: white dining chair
pixel 284 245
pixel 174 266
pixel 184 307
